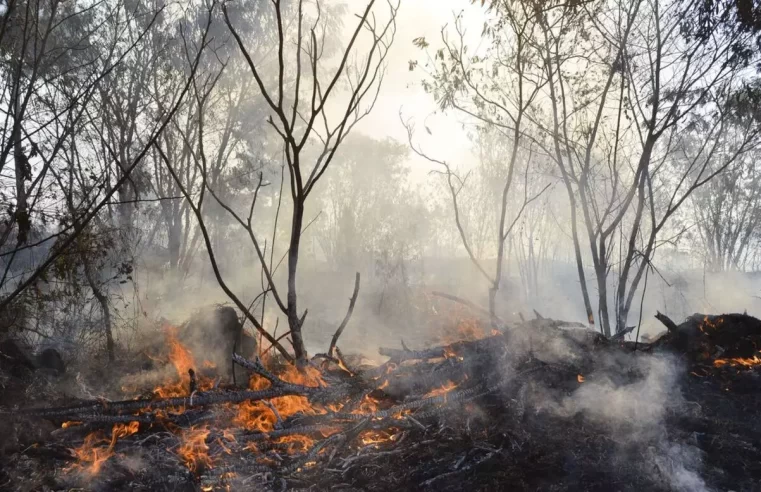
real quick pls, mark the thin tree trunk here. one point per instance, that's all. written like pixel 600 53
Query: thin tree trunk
pixel 294 322
pixel 103 302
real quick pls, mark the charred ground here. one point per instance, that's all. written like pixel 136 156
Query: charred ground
pixel 535 406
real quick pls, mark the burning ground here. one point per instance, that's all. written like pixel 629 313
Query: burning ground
pixel 539 405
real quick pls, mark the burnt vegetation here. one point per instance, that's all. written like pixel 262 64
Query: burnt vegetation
pixel 189 188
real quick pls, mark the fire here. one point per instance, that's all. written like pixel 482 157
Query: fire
pixel 368 405
pixel 260 417
pixel 194 451
pixel 296 443
pixel 580 378
pixel 445 388
pixel 707 323
pixel 738 361
pixel 372 437
pixel 96 449
pixel 182 359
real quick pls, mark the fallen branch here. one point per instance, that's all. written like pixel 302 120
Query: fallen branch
pixel 205 399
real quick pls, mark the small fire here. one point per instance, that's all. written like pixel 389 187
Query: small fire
pixel 96 449
pixel 445 388
pixel 372 437
pixel 182 359
pixel 707 323
pixel 194 451
pixel 368 405
pixel 296 443
pixel 260 417
pixel 738 362
pixel 580 378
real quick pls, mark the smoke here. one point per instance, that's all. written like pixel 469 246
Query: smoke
pixel 631 398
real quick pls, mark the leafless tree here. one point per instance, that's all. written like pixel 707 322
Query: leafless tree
pixel 460 81
pixel 61 123
pixel 300 115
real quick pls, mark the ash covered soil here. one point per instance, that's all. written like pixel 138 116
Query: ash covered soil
pixel 530 407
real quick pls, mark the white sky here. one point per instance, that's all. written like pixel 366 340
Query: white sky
pixel 402 88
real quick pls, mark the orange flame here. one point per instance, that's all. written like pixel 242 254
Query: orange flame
pixel 182 359
pixel 194 451
pixel 739 361
pixel 445 388
pixel 372 437
pixel 94 453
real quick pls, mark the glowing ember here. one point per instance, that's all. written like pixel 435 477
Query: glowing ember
pixel 739 362
pixel 580 378
pixel 707 323
pixel 445 388
pixel 376 437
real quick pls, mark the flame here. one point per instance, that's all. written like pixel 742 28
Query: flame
pixel 367 405
pixel 710 324
pixel 372 437
pixel 96 449
pixel 257 416
pixel 182 359
pixel 580 378
pixel 194 451
pixel 445 388
pixel 738 361
pixel 296 443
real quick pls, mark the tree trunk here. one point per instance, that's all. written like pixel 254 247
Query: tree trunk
pixel 294 322
pixel 22 171
pixel 103 302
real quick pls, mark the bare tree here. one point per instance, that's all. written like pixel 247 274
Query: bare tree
pixel 462 81
pixel 75 158
pixel 300 116
pixel 659 82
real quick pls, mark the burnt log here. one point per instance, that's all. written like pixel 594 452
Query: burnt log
pixel 50 361
pixel 706 337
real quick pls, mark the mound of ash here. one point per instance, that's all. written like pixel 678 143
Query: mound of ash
pixel 542 405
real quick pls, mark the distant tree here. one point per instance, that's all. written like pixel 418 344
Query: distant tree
pixel 463 81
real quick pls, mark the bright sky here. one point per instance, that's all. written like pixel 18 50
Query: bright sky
pixel 402 88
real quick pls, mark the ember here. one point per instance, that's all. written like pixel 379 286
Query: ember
pixel 297 423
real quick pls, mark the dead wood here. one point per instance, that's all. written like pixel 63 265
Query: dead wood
pixel 146 404
pixel 670 325
pixel 346 319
